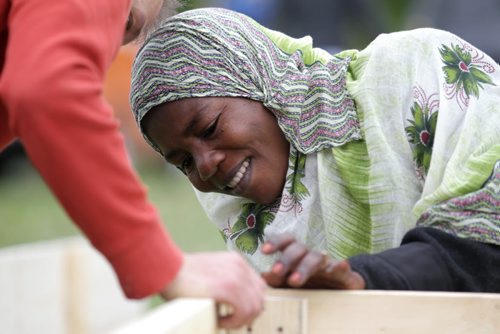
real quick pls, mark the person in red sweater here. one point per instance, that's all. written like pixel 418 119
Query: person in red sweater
pixel 53 59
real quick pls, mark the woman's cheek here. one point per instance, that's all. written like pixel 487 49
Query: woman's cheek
pixel 200 185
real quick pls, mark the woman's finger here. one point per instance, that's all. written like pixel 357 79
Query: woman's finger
pixel 277 242
pixel 309 265
pixel 341 276
pixel 276 281
pixel 289 258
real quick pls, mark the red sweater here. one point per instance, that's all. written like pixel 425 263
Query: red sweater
pixel 54 56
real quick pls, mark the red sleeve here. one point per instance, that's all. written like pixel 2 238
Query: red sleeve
pixel 51 86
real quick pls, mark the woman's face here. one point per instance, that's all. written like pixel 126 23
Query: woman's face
pixel 223 144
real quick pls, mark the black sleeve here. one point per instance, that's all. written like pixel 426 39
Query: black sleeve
pixel 431 260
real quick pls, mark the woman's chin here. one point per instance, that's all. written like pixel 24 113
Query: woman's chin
pixel 270 200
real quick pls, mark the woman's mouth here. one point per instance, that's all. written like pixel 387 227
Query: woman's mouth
pixel 239 175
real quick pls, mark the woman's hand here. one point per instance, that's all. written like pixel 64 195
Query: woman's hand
pixel 298 266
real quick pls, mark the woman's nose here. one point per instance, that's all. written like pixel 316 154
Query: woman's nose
pixel 207 163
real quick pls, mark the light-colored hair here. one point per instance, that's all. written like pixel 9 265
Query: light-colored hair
pixel 168 9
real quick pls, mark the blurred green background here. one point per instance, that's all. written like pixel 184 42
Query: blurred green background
pixel 29 212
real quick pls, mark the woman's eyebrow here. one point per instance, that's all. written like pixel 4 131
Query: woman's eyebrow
pixel 195 120
pixel 169 155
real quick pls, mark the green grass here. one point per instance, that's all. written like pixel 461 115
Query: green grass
pixel 29 212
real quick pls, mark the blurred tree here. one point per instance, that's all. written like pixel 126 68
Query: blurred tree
pixel 478 22
pixel 345 24
pixel 263 11
pixel 355 23
pixel 191 4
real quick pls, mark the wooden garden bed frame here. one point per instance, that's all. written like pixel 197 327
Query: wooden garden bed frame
pixel 339 312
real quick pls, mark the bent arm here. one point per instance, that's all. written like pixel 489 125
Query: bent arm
pixel 431 260
pixel 51 87
pixel 427 260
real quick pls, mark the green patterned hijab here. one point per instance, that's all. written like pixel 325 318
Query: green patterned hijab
pixel 217 52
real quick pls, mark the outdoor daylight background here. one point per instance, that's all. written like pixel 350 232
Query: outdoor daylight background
pixel 28 212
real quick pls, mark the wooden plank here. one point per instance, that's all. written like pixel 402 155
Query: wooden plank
pixel 397 312
pixel 281 315
pixel 94 300
pixel 181 316
pixel 60 287
pixel 75 288
pixel 31 298
pixel 341 312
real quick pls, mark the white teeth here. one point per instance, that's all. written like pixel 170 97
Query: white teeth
pixel 239 175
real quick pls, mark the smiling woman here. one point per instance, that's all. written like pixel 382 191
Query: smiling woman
pixel 385 169
pixel 227 145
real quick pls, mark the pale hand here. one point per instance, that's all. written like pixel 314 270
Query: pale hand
pixel 224 277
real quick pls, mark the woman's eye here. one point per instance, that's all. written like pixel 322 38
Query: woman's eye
pixel 186 165
pixel 211 129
